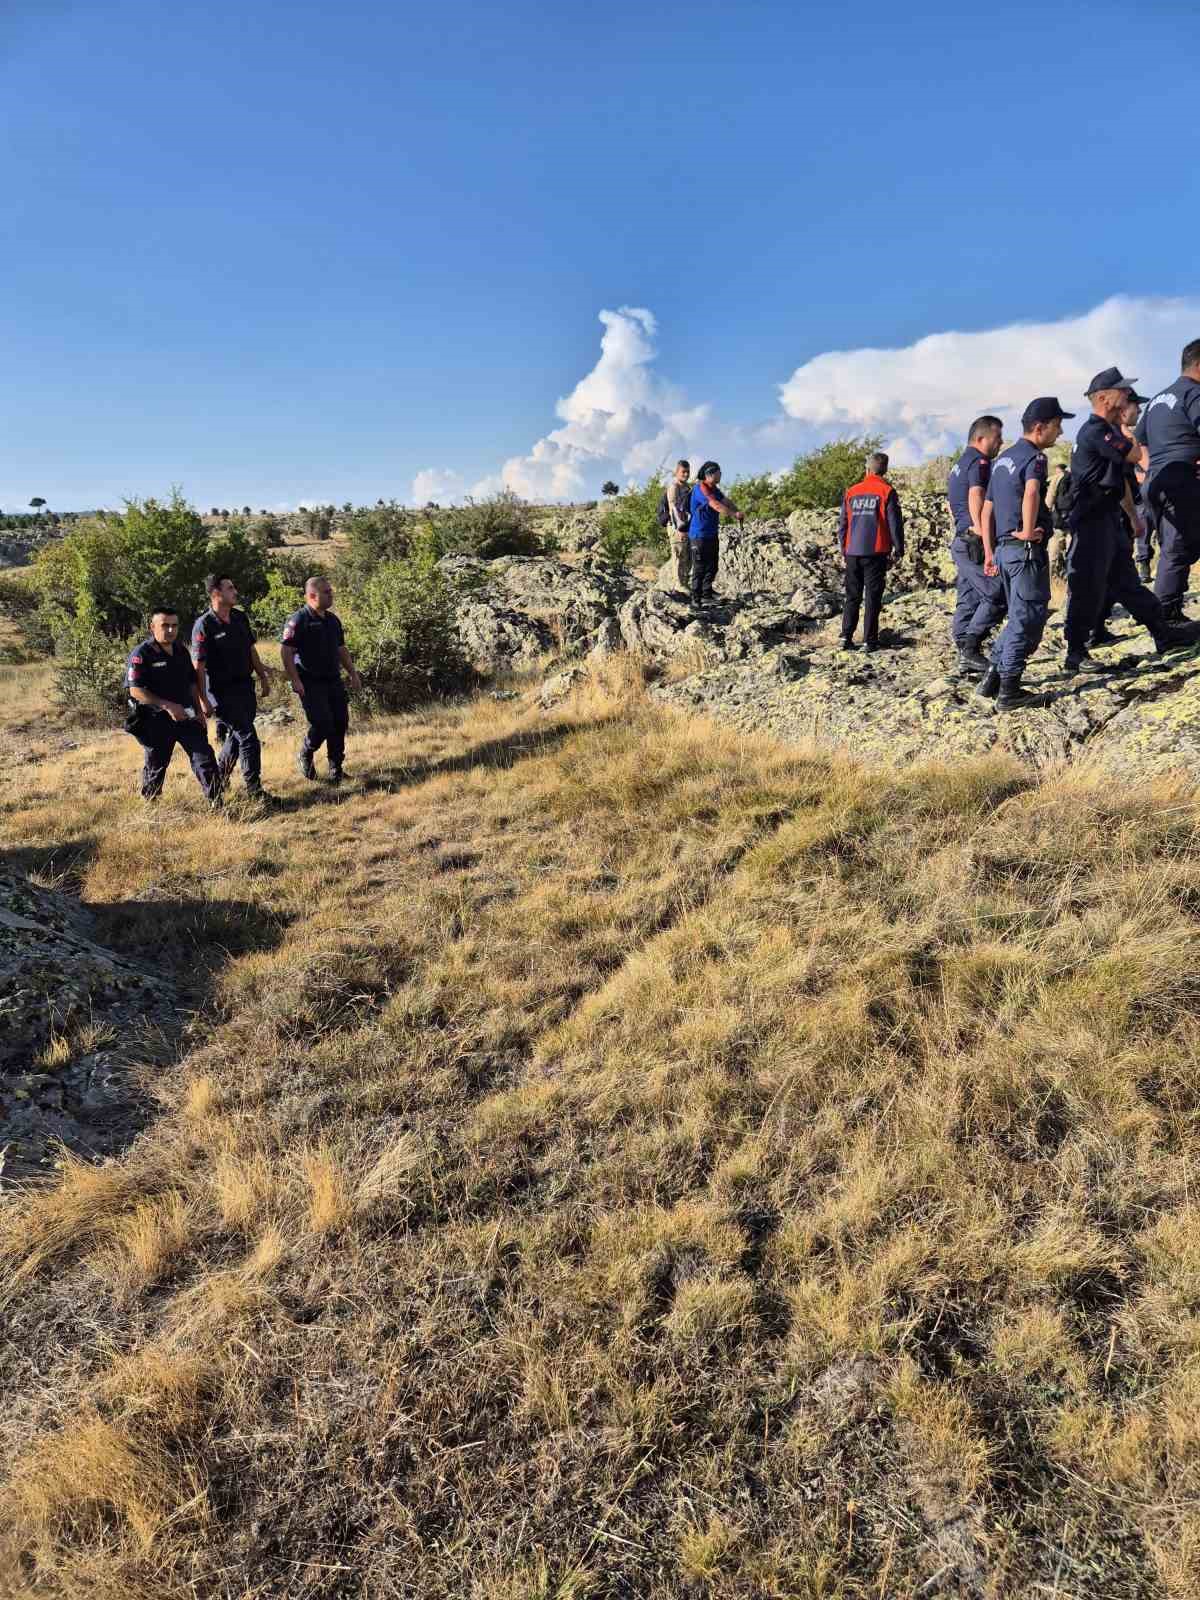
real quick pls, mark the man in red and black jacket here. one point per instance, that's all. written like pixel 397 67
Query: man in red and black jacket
pixel 871 534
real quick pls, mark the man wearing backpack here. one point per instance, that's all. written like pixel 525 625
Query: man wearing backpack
pixel 674 514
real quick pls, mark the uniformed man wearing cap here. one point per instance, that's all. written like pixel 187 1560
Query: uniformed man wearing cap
pixel 1170 430
pixel 980 597
pixel 1015 527
pixel 1100 568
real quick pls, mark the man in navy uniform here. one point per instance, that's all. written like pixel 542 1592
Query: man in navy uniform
pixel 226 661
pixel 871 535
pixel 165 708
pixel 1015 527
pixel 1100 566
pixel 314 653
pixel 1170 430
pixel 980 597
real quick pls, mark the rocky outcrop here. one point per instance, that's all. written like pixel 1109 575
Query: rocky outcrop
pixel 67 1008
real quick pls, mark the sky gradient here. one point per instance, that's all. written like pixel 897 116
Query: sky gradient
pixel 285 254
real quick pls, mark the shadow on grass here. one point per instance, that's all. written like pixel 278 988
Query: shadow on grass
pixel 499 753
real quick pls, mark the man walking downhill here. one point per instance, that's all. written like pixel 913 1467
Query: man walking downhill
pixel 1170 430
pixel 314 653
pixel 980 597
pixel 227 661
pixel 679 497
pixel 871 535
pixel 1100 569
pixel 1015 528
pixel 164 708
pixel 708 505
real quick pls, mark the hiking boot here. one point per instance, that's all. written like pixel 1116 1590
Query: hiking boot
pixel 1013 698
pixel 1080 661
pixel 336 776
pixel 989 685
pixel 304 766
pixel 1102 637
pixel 1177 636
pixel 848 643
pixel 972 663
pixel 870 646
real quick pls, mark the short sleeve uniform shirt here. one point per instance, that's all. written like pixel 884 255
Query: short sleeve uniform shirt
pixel 317 641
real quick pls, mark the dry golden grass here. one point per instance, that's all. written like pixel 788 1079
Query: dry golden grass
pixel 622 1158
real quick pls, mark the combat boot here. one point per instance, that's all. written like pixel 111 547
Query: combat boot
pixel 1177 636
pixel 1173 612
pixel 336 776
pixel 304 765
pixel 1103 636
pixel 1080 661
pixel 989 685
pixel 972 663
pixel 848 643
pixel 1013 698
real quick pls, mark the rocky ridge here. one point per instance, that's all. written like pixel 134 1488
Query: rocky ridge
pixel 766 656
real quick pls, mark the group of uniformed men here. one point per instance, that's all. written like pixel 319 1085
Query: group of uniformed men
pixel 172 693
pixel 1003 527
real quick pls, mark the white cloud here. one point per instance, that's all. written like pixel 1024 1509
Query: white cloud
pixel 923 396
pixel 439 484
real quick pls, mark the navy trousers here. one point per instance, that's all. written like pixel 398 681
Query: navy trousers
pixel 705 554
pixel 1025 575
pixel 236 710
pixel 328 713
pixel 1101 574
pixel 1174 498
pixel 980 598
pixel 159 737
pixel 865 578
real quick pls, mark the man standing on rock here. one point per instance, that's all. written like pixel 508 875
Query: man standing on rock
pixel 164 708
pixel 226 662
pixel 1170 430
pixel 708 505
pixel 1015 527
pixel 871 535
pixel 1100 567
pixel 980 596
pixel 314 653
pixel 679 515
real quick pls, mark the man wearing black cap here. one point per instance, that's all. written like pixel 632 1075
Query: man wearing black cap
pixel 1170 430
pixel 1100 569
pixel 1015 527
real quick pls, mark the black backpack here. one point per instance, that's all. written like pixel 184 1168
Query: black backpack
pixel 664 512
pixel 1064 502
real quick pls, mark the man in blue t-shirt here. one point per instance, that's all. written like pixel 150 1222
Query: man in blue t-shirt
pixel 1170 431
pixel 980 602
pixel 708 506
pixel 1015 526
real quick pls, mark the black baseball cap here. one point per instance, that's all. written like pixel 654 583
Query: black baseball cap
pixel 1044 409
pixel 1110 378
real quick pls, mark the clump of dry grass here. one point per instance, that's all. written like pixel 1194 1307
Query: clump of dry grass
pixel 628 1158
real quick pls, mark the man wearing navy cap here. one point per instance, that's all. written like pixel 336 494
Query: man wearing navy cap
pixel 1100 568
pixel 980 596
pixel 1170 430
pixel 1015 527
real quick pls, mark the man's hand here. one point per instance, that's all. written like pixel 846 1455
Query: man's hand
pixel 741 517
pixel 206 709
pixel 175 712
pixel 1032 537
pixel 355 682
pixel 990 569
pixel 264 679
pixel 297 687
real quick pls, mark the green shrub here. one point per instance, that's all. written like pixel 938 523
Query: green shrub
pixel 501 525
pixel 631 522
pixel 89 670
pixel 237 552
pixel 268 531
pixel 813 482
pixel 19 604
pixel 401 632
pixel 375 535
pixel 286 577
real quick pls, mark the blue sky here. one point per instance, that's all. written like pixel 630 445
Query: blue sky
pixel 281 253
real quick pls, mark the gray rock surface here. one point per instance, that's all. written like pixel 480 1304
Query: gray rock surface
pixel 69 1009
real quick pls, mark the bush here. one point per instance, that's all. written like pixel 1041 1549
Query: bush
pixel 376 534
pixel 501 525
pixel 89 670
pixel 631 523
pixel 236 551
pixel 268 531
pixel 284 593
pixel 401 630
pixel 814 482
pixel 19 604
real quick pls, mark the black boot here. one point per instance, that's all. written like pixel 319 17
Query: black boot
pixel 989 685
pixel 304 766
pixel 848 643
pixel 1103 636
pixel 1080 661
pixel 1173 611
pixel 1013 698
pixel 972 663
pixel 1177 636
pixel 336 776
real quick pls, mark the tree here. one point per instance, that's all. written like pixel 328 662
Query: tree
pixel 610 487
pixel 246 511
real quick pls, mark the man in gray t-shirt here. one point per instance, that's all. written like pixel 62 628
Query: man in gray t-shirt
pixel 679 499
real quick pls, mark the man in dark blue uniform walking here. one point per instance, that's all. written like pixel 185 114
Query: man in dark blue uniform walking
pixel 226 661
pixel 1170 430
pixel 980 604
pixel 164 708
pixel 1015 527
pixel 1100 566
pixel 314 653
